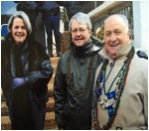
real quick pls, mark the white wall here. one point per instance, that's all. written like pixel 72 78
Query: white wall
pixel 140 18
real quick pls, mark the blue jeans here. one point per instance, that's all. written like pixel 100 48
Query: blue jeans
pixel 52 23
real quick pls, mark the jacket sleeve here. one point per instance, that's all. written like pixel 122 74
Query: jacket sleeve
pixel 60 93
pixel 43 69
pixel 45 72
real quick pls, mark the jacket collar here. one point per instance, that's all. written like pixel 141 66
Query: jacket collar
pixel 121 53
pixel 93 45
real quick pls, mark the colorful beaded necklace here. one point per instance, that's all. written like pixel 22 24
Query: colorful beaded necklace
pixel 100 84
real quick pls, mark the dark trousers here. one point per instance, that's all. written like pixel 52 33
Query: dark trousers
pixel 52 23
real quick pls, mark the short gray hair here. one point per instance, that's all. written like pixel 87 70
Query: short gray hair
pixel 123 17
pixel 82 19
pixel 24 17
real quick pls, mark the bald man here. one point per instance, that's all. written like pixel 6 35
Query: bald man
pixel 120 96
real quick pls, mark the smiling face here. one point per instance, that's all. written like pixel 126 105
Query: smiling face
pixel 80 33
pixel 116 34
pixel 18 30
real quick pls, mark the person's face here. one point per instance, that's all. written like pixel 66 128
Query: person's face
pixel 80 33
pixel 116 34
pixel 19 31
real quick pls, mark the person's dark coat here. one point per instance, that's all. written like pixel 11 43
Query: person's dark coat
pixel 26 103
pixel 73 86
pixel 26 5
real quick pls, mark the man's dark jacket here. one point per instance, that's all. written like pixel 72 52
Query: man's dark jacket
pixel 74 84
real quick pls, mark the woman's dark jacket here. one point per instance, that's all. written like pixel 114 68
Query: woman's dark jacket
pixel 73 85
pixel 35 66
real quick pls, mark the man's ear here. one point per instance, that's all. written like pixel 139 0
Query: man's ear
pixel 90 31
pixel 128 32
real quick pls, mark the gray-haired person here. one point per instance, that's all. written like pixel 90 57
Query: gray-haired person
pixel 75 76
pixel 25 73
pixel 121 83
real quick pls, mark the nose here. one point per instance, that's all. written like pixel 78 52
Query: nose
pixel 19 29
pixel 113 38
pixel 78 33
